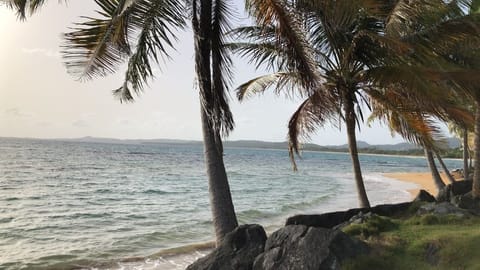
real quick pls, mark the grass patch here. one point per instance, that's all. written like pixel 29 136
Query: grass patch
pixel 420 242
pixel 373 226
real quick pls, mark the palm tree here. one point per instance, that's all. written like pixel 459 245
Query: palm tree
pixel 142 31
pixel 334 94
pixel 461 132
pixel 450 178
pixel 417 123
pixel 363 50
pixel 467 55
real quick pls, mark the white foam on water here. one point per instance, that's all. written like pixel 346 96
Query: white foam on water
pixel 171 262
pixel 383 190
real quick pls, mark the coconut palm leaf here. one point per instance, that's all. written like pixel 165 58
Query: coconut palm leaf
pixel 25 7
pixel 259 46
pixel 290 36
pixel 97 47
pixel 153 21
pixel 282 82
pixel 310 115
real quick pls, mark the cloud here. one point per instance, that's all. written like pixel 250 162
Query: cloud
pixel 41 51
pixel 16 112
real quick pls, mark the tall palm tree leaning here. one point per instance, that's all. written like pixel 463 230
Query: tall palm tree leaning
pixel 336 70
pixel 462 134
pixel 468 56
pixel 361 54
pixel 142 31
pixel 412 119
pixel 415 123
pixel 449 176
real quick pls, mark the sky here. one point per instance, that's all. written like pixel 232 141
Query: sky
pixel 39 99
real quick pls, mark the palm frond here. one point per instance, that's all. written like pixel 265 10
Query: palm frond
pixel 290 37
pixel 259 46
pixel 280 81
pixel 25 8
pixel 314 112
pixel 96 47
pixel 221 69
pixel 154 21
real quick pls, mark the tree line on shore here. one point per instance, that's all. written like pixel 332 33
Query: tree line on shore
pixel 409 63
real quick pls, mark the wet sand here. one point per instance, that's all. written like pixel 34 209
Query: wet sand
pixel 423 180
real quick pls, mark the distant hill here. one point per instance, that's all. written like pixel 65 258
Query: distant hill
pixel 365 147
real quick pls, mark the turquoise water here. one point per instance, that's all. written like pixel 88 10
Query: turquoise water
pixel 118 206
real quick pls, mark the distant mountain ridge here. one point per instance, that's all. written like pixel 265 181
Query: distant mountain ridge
pixel 404 146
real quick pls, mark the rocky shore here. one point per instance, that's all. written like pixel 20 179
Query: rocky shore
pixel 320 242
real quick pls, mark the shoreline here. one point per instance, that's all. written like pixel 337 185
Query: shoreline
pixel 422 179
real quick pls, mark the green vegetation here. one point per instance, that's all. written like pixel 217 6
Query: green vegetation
pixel 419 242
pixel 373 226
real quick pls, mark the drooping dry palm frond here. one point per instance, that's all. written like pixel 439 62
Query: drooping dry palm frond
pixel 405 113
pixel 310 115
pixel 408 120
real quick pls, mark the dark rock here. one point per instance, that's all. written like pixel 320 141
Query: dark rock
pixel 302 247
pixel 467 202
pixel 237 251
pixel 443 208
pixel 447 193
pixel 424 196
pixel 360 218
pixel 330 220
pixel 344 247
pixel 389 210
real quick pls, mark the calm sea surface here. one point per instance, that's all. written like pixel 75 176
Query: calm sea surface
pixel 120 206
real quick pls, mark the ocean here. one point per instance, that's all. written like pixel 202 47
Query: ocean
pixel 78 205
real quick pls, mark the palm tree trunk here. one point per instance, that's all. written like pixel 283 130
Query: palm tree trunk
pixel 476 166
pixel 352 146
pixel 465 154
pixel 223 212
pixel 439 184
pixel 445 169
pixel 470 160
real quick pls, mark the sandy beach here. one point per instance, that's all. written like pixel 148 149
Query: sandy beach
pixel 423 180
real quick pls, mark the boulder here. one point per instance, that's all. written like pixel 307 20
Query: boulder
pixel 468 203
pixel 359 218
pixel 424 196
pixel 389 210
pixel 302 247
pixel 447 193
pixel 333 219
pixel 443 208
pixel 237 251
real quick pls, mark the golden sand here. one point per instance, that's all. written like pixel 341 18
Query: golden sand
pixel 424 180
